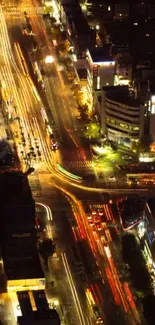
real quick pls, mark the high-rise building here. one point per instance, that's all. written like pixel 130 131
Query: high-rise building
pixel 18 234
pixel 35 310
pixel 102 67
pixel 122 116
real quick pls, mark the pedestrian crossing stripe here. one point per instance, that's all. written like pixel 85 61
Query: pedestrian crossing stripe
pixel 19 11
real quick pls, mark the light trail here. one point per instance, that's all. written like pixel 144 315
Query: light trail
pixel 20 97
pixel 112 285
pixel 49 218
pixel 47 209
pixel 73 290
pixel 111 271
pixel 131 302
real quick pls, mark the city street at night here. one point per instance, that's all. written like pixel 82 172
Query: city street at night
pixel 77 153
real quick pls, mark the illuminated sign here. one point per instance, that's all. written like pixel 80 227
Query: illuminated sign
pixel 152 147
pixel 106 63
pixel 95 70
pixel 49 59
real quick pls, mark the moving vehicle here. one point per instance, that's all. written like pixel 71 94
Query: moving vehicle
pixel 53 143
pixel 99 319
pixel 127 157
pixel 112 178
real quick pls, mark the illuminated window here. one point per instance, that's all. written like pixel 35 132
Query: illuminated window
pixel 124 125
pixel 136 128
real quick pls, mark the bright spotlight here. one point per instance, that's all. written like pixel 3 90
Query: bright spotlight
pixel 56 303
pixel 97 27
pixel 49 59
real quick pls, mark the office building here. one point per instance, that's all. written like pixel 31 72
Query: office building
pixel 102 67
pixel 79 34
pixel 122 116
pixel 123 72
pixel 131 212
pixel 34 309
pixel 18 234
pixel 84 81
pixel 119 10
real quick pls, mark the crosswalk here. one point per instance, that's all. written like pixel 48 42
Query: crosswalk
pixel 79 163
pixel 19 11
pixel 35 185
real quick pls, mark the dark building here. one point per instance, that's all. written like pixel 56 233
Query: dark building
pixel 41 315
pixel 121 10
pixel 78 31
pixel 51 317
pixel 40 300
pixel 18 233
pixel 131 211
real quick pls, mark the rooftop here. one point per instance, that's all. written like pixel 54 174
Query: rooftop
pixel 51 317
pixel 23 268
pixel 20 246
pixel 74 15
pixel 14 187
pixel 82 73
pixel 101 54
pixel 17 204
pixel 132 211
pixel 121 94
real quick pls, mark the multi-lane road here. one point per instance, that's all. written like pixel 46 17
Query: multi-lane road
pixel 103 287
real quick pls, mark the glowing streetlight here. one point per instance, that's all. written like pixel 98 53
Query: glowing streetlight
pixel 49 59
pixel 56 303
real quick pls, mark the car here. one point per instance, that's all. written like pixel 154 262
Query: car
pixel 97 219
pixel 150 182
pixel 90 220
pixel 100 212
pixel 99 319
pixel 112 178
pixel 127 157
pixel 99 227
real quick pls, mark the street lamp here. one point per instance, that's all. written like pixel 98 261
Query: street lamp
pixel 49 59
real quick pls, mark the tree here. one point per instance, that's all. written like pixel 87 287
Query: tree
pixel 83 109
pixel 68 62
pixel 133 256
pixel 63 47
pixel 52 20
pixel 47 249
pixel 128 247
pixel 148 309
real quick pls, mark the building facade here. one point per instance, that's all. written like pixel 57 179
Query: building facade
pixel 122 118
pixel 102 67
pixel 123 72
